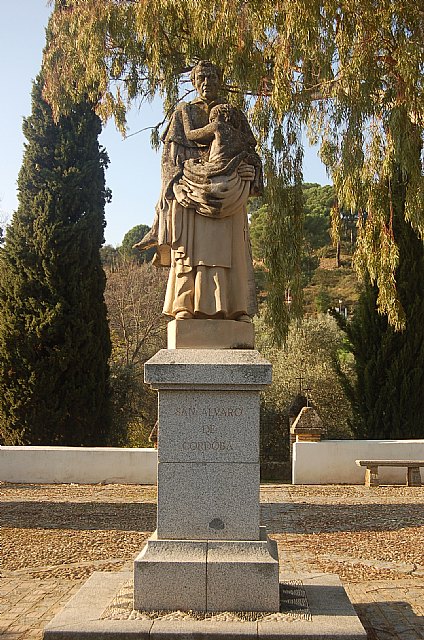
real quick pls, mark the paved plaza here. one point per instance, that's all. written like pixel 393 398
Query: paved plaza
pixel 55 536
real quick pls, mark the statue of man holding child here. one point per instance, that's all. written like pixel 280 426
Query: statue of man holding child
pixel 209 170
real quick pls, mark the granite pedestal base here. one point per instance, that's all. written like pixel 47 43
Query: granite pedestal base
pixel 312 607
pixel 207 576
pixel 208 553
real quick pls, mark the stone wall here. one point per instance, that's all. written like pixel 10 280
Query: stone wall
pixel 325 462
pixel 333 461
pixel 82 465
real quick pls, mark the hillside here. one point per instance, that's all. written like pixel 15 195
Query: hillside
pixel 330 284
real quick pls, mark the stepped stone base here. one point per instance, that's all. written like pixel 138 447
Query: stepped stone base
pixel 312 606
pixel 207 576
pixel 210 334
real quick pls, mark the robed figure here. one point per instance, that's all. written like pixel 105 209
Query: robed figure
pixel 209 170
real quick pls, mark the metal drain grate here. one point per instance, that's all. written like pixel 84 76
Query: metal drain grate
pixel 293 599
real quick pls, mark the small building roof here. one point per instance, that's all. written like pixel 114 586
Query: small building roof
pixel 297 405
pixel 308 419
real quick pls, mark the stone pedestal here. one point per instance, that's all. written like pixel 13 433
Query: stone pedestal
pixel 209 553
pixel 210 334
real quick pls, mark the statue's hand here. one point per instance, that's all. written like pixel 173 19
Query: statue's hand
pixel 246 172
pixel 182 196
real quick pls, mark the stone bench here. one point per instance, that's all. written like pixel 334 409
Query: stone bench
pixel 413 476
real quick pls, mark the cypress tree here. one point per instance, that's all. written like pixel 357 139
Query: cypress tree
pixel 54 336
pixel 388 399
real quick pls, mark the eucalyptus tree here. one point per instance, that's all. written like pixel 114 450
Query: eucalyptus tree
pixel 350 72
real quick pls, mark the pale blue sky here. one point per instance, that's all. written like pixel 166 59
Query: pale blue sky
pixel 134 170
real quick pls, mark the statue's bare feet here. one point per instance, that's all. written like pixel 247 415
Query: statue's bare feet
pixel 244 318
pixel 183 315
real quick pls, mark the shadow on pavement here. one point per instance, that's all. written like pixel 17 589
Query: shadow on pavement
pixel 278 517
pixel 391 619
pixel 79 516
pixel 314 518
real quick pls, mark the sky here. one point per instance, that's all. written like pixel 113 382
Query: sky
pixel 134 170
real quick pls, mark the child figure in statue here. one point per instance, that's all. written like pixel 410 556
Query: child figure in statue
pixel 229 147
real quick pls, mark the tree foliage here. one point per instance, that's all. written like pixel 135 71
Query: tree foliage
pixel 351 73
pixel 134 297
pixel 258 216
pixel 2 227
pixel 112 256
pixel 54 338
pixel 316 350
pixel 318 202
pixel 319 199
pixel 133 236
pixel 387 398
pixel 109 255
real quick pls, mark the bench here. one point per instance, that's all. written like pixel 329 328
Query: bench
pixel 413 476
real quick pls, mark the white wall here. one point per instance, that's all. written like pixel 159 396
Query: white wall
pixel 82 465
pixel 326 462
pixel 333 461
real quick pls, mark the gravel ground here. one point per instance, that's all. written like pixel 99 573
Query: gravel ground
pixel 372 538
pixel 358 533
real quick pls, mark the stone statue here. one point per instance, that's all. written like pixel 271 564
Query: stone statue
pixel 209 170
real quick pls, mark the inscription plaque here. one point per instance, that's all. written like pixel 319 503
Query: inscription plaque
pixel 209 426
pixel 210 412
pixel 215 445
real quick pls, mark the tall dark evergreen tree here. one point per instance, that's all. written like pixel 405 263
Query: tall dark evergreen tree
pixel 388 399
pixel 54 336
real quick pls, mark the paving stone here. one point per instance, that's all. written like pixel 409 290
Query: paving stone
pixel 79 620
pixel 347 517
pixel 199 630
